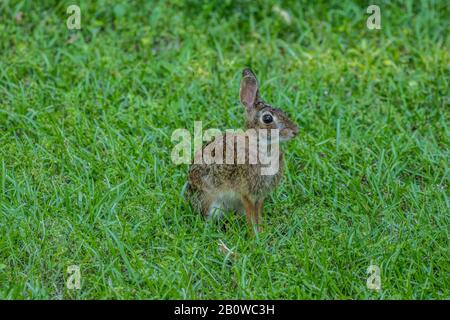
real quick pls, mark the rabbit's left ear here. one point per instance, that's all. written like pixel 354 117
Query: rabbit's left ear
pixel 249 93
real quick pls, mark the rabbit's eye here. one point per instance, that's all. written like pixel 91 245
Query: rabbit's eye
pixel 267 118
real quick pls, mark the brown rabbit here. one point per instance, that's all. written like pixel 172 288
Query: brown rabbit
pixel 215 187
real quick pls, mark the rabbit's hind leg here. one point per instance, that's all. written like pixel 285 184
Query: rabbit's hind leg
pixel 197 198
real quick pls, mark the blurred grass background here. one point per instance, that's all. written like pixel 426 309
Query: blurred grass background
pixel 86 178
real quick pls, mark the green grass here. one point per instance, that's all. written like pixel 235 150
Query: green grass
pixel 86 176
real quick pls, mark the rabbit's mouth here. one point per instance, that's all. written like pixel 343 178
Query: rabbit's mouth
pixel 287 134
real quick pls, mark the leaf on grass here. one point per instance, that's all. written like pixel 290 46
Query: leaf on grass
pixel 226 251
pixel 283 14
pixel 72 38
pixel 19 16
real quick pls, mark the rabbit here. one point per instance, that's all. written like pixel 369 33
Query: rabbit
pixel 214 188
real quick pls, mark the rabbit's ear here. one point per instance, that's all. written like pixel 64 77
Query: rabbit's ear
pixel 249 93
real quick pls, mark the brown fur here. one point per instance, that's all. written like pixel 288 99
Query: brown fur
pixel 239 187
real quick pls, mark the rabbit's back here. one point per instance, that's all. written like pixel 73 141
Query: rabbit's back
pixel 211 181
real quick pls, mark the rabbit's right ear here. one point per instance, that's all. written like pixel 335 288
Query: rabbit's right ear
pixel 249 93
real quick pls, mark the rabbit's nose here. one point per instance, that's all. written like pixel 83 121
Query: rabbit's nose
pixel 294 131
pixel 289 133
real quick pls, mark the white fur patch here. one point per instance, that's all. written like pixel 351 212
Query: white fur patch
pixel 216 210
pixel 225 201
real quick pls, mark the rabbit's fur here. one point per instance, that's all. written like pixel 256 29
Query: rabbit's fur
pixel 214 188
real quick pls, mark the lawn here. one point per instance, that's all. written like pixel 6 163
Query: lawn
pixel 86 177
